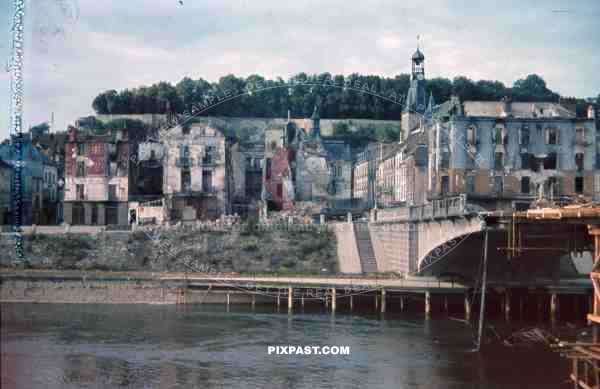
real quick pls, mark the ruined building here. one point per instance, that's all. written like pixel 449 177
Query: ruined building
pixel 502 154
pixel 194 172
pixel 303 167
pixel 505 154
pixel 96 177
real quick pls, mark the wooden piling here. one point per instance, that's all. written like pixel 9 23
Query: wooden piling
pixel 553 306
pixel 290 300
pixel 333 300
pixel 427 303
pixel 507 305
pixel 383 301
pixel 467 308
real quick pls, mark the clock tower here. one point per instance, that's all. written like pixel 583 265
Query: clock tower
pixel 416 102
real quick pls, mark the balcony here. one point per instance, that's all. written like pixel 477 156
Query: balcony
pixel 183 162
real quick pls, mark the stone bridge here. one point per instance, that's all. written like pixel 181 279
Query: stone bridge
pixel 445 237
pixel 408 239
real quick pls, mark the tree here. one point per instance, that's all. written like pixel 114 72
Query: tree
pixel 382 100
pixel 464 88
pixel 532 88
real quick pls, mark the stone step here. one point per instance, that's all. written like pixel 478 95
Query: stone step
pixel 368 261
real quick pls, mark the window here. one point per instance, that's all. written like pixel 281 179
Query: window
pixel 526 161
pixel 500 136
pixel 268 168
pixel 498 187
pixel 579 185
pixel 206 180
pixel 80 148
pixel 94 215
pixel 524 136
pixel 112 192
pixel 579 162
pixel 78 214
pixel 498 161
pixel 80 169
pixel 112 215
pixel 445 163
pixel 525 185
pixel 472 135
pixel 186 180
pixel 470 184
pixel 79 192
pixel 552 136
pixel 550 162
pixel 445 185
pixel 207 158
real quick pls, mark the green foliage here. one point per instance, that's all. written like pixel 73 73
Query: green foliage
pixel 362 136
pixel 42 128
pixel 272 98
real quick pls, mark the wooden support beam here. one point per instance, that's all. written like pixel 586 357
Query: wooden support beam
pixel 333 300
pixel 507 305
pixel 383 301
pixel 427 303
pixel 553 306
pixel 467 308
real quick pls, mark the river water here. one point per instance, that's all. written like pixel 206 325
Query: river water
pixel 163 346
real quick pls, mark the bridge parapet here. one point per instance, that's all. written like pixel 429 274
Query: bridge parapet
pixel 440 209
pixel 454 206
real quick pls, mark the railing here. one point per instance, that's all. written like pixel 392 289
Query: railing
pixel 442 208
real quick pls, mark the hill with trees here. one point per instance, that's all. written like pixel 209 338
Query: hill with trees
pixel 335 102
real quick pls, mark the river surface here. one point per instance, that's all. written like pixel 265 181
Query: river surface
pixel 160 346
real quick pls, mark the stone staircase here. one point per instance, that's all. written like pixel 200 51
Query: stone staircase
pixel 365 247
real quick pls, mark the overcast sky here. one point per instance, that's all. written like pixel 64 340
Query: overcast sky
pixel 78 48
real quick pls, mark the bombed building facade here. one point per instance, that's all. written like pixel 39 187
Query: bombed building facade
pixel 303 168
pixel 194 183
pixel 96 177
pixel 501 154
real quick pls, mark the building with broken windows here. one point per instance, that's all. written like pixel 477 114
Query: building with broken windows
pixel 96 177
pixel 303 168
pixel 502 154
pixel 510 153
pixel 194 172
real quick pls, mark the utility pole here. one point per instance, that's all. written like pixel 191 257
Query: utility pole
pixel 483 287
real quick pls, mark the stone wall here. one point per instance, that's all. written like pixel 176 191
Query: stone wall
pixel 115 292
pixel 238 248
pixel 391 245
pixel 348 258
